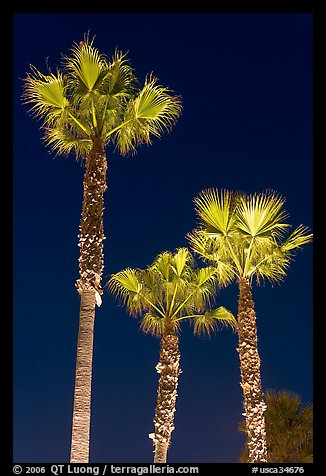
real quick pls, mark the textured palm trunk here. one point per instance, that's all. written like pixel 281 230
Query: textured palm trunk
pixel 254 404
pixel 88 285
pixel 169 370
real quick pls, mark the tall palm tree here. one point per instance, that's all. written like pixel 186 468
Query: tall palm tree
pixel 289 429
pixel 95 102
pixel 244 236
pixel 164 294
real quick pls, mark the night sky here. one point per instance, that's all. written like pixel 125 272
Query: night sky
pixel 246 86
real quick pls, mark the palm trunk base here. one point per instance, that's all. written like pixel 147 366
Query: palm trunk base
pixel 160 453
pixel 82 397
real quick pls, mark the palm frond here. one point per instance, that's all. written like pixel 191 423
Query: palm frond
pixel 214 250
pixel 261 214
pixel 206 275
pixel 119 79
pixel 298 237
pixel 212 319
pixel 215 210
pixel 152 323
pixel 180 261
pixel 157 106
pixel 162 265
pixel 126 286
pixel 86 66
pixel 62 141
pixel 154 111
pixel 46 93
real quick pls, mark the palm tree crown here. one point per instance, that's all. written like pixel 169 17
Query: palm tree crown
pixel 98 99
pixel 169 291
pixel 244 235
pixel 289 429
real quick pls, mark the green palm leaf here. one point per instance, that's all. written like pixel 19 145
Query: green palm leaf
pixel 86 66
pixel 215 210
pixel 180 261
pixel 212 319
pixel 152 112
pixel 47 93
pixel 261 214
pixel 152 323
pixel 214 250
pixel 162 265
pixel 62 141
pixel 127 287
pixel 119 79
pixel 297 238
pixel 206 275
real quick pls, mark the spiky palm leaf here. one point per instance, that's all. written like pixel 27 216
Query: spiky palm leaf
pixel 152 112
pixel 86 67
pixel 152 323
pixel 261 215
pixel 212 320
pixel 127 286
pixel 47 94
pixel 215 211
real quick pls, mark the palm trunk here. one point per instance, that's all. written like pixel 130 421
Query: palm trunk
pixel 83 382
pixel 169 370
pixel 254 404
pixel 88 285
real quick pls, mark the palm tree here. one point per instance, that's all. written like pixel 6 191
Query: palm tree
pixel 288 429
pixel 244 236
pixel 92 103
pixel 164 294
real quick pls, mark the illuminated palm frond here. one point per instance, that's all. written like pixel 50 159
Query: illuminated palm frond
pixel 62 141
pixel 215 211
pixel 152 323
pixel 214 250
pixel 127 286
pixel 119 80
pixel 211 320
pixel 86 66
pixel 298 238
pixel 46 93
pixel 151 113
pixel 261 215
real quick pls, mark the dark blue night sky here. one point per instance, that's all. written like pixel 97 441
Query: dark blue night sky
pixel 246 86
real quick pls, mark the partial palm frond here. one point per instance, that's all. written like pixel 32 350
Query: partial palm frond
pixel 119 79
pixel 214 250
pixel 162 265
pixel 62 141
pixel 152 323
pixel 271 265
pixel 206 275
pixel 212 319
pixel 298 237
pixel 181 262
